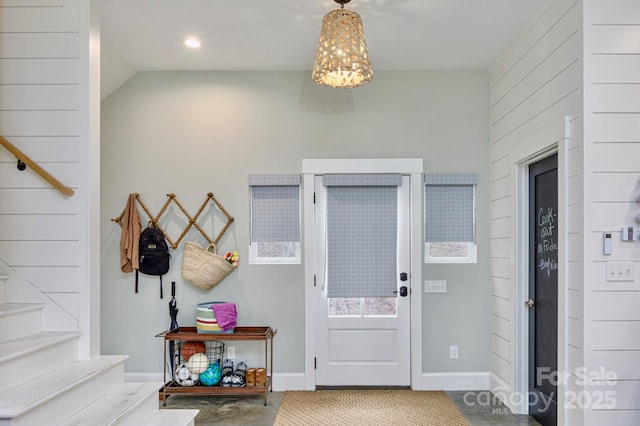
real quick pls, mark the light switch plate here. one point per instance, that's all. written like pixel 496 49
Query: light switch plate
pixel 620 271
pixel 435 286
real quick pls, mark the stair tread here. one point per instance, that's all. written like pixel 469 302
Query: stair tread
pixel 14 308
pixel 114 405
pixel 172 417
pixel 25 396
pixel 12 349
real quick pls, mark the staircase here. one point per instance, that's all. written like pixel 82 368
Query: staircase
pixel 43 383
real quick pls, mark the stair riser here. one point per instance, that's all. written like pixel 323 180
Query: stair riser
pixel 19 324
pixel 61 407
pixel 26 367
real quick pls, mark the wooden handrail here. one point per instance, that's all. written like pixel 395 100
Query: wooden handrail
pixel 29 162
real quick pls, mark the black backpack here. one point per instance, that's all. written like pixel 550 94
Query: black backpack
pixel 153 254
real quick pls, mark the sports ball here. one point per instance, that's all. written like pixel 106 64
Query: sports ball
pixel 211 376
pixel 198 363
pixel 190 348
pixel 184 377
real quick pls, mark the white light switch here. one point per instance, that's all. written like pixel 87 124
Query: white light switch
pixel 435 286
pixel 620 271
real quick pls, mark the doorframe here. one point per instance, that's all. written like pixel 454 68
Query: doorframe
pixel 553 139
pixel 407 166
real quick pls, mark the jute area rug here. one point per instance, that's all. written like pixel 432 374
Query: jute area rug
pixel 368 407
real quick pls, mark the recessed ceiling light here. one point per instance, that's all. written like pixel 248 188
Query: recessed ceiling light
pixel 193 43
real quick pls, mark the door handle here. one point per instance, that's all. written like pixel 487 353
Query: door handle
pixel 403 291
pixel 530 303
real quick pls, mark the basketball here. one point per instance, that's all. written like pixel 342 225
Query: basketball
pixel 190 348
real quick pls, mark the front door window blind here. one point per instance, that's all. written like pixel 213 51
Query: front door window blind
pixel 275 217
pixel 449 207
pixel 362 229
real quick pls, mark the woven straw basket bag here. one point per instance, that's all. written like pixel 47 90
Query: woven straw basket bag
pixel 203 268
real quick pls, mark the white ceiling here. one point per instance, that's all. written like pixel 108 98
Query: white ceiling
pixel 282 34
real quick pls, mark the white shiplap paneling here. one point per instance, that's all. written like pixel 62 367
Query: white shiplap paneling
pixel 537 81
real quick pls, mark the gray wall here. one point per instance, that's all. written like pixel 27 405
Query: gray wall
pixel 199 132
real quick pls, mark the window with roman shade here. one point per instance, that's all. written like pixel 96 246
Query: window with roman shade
pixel 275 219
pixel 450 217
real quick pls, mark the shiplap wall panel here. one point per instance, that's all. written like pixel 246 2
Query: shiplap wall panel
pixel 52 279
pixel 615 69
pixel 36 201
pixel 501 287
pixel 540 100
pixel 526 51
pixel 39 97
pixel 615 335
pixel 42 3
pixel 542 74
pixel 38 227
pixel 617 156
pixel 616 11
pixel 39 45
pixel 39 71
pixel 612 216
pixel 501 228
pixel 40 253
pixel 11 177
pixel 501 347
pixel 499 168
pixel 39 123
pixel 38 19
pixel 500 188
pixel 501 268
pixel 616 127
pixel 575 336
pixel 613 39
pixel 535 83
pixel 500 326
pixel 502 368
pixel 575 273
pixel 42 97
pixel 39 149
pixel 626 363
pixel 613 187
pixel 610 98
pixel 574 304
pixel 612 307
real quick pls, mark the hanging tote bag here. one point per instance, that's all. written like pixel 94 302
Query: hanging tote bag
pixel 202 267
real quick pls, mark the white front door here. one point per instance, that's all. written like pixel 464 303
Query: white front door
pixel 363 340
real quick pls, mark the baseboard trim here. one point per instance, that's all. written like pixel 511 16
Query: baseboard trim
pixel 455 381
pixel 296 381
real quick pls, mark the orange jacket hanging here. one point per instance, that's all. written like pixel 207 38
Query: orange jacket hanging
pixel 130 236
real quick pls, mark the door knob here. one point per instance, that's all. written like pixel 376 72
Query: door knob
pixel 530 303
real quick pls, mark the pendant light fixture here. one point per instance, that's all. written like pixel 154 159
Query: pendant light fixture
pixel 342 59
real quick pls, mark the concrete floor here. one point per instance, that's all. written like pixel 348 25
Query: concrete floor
pixel 478 407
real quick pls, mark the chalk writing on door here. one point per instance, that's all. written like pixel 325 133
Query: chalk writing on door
pixel 547 243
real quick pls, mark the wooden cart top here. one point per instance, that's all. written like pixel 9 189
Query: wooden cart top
pixel 239 333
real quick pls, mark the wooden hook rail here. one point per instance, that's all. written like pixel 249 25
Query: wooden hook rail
pixel 24 158
pixel 193 220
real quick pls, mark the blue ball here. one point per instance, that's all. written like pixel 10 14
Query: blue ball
pixel 211 376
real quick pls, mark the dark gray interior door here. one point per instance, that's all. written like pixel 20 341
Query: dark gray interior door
pixel 543 290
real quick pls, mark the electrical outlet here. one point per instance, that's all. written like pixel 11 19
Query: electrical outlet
pixel 453 352
pixel 231 352
pixel 435 286
pixel 620 271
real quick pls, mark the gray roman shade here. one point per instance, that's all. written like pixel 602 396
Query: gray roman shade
pixel 275 208
pixel 362 228
pixel 449 207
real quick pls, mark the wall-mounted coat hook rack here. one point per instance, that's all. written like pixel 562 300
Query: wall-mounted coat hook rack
pixel 192 220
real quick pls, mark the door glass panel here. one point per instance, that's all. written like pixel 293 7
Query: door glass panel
pixel 341 307
pixel 380 306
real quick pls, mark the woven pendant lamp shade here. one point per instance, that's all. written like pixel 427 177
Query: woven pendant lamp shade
pixel 342 59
